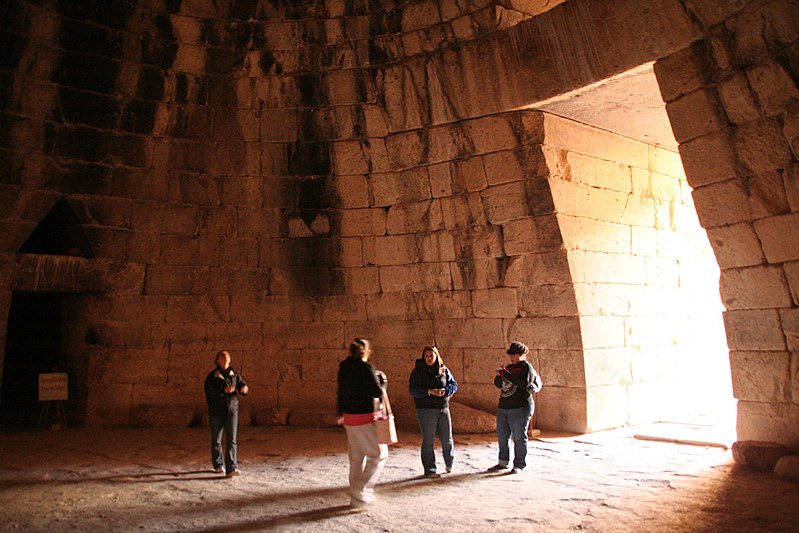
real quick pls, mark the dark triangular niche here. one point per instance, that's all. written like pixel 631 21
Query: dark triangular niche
pixel 58 233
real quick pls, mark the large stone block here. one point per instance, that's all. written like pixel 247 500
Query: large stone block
pixel 197 308
pixel 176 280
pixel 606 407
pixel 563 409
pixel 760 376
pixel 362 222
pixel 792 275
pixel 563 368
pixel 390 250
pixel 339 307
pixel 161 416
pixel 597 267
pixel 408 334
pixel 448 304
pixel 738 99
pixel 761 146
pixel 709 159
pixel 754 330
pixel 416 277
pixel 546 332
pixel 392 305
pixel 772 421
pixel 238 335
pixel 599 173
pixel 461 211
pixel 436 246
pixel 695 114
pixel 593 203
pixel 497 303
pixel 182 336
pixel 722 204
pixel 468 420
pixel 537 268
pixel 577 138
pixel 779 237
pixel 414 217
pixel 758 455
pixel 398 187
pixel 757 287
pixel 736 245
pixel 476 273
pixel 594 235
pixel 532 235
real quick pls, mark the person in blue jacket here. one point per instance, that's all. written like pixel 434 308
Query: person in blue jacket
pixel 516 381
pixel 431 384
pixel 222 387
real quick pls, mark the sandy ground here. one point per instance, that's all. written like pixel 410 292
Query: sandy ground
pixel 294 480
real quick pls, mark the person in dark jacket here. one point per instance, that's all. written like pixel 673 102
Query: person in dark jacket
pixel 360 388
pixel 431 384
pixel 222 387
pixel 516 381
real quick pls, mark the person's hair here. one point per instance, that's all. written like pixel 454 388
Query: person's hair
pixel 358 347
pixel 439 362
pixel 216 357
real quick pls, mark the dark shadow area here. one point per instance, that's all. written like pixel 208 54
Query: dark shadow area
pixel 303 517
pixel 33 344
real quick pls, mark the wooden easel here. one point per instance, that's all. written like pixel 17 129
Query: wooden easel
pixel 56 408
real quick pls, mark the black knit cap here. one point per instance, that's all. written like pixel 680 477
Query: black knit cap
pixel 518 348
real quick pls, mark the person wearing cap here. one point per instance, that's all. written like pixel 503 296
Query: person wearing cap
pixel 360 388
pixel 516 381
pixel 222 387
pixel 431 384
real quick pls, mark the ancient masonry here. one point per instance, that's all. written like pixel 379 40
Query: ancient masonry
pixel 276 178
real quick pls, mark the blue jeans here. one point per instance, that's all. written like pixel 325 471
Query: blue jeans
pixel 230 424
pixel 513 423
pixel 434 422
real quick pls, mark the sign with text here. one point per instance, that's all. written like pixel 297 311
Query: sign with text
pixel 53 386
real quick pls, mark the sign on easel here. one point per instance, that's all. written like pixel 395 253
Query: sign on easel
pixel 53 386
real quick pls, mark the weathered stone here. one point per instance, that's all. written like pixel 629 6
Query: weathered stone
pixel 787 467
pixel 160 416
pixel 272 416
pixel 466 419
pixel 758 455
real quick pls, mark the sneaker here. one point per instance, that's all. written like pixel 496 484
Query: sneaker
pixel 432 475
pixel 497 468
pixel 234 473
pixel 515 470
pixel 218 470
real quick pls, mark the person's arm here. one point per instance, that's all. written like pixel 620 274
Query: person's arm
pixel 498 381
pixel 415 386
pixel 241 385
pixel 521 380
pixel 452 385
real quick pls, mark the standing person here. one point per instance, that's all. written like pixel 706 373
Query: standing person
pixel 360 387
pixel 222 387
pixel 516 381
pixel 431 384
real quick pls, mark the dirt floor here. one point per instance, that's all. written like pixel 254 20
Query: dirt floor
pixel 294 480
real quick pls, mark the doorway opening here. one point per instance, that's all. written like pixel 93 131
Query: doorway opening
pixel 33 346
pixel 690 361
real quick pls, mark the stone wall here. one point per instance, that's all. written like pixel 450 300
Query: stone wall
pixel 277 180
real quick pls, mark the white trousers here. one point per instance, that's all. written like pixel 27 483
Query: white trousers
pixel 367 459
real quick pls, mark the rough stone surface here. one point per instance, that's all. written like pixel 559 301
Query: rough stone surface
pixel 787 467
pixel 757 454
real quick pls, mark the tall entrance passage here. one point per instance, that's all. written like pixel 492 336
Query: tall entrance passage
pixel 33 346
